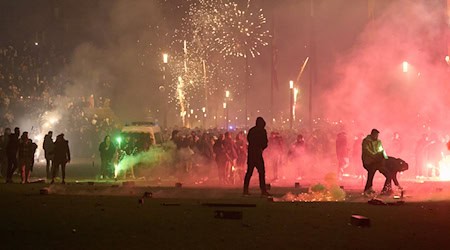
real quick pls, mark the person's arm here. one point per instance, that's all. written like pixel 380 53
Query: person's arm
pixel 265 140
pixel 367 148
pixel 68 152
pixel 383 151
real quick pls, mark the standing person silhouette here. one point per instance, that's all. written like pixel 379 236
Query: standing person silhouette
pixel 257 142
pixel 49 147
pixel 61 157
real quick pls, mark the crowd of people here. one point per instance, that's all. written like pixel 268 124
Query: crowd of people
pixel 17 153
pixel 33 93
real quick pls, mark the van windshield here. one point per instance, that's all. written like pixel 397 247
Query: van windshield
pixel 141 141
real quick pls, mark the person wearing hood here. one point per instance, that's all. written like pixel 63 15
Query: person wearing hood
pixel 61 157
pixel 257 142
pixel 373 158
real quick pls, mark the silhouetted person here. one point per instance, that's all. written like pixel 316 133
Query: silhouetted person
pixel 257 142
pixel 61 157
pixel 107 153
pixel 34 147
pixel 230 147
pixel 274 153
pixel 373 158
pixel 4 139
pixel 221 157
pixel 48 152
pixel 297 155
pixel 12 150
pixel 241 150
pixel 175 138
pixel 206 147
pixel 26 156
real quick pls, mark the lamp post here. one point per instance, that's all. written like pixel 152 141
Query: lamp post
pixel 204 117
pixel 227 99
pixel 291 103
pixel 165 61
pixel 225 108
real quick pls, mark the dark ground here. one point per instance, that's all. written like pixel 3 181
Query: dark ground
pixel 81 216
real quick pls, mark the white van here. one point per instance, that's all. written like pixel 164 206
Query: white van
pixel 146 133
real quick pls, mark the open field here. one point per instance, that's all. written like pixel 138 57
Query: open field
pixel 108 216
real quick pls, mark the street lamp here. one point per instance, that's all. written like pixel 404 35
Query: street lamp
pixel 405 66
pixel 291 103
pixel 204 117
pixel 165 110
pixel 227 98
pixel 226 114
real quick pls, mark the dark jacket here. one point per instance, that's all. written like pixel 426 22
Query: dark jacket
pixel 220 151
pixel 62 152
pixel 13 145
pixel 106 154
pixel 48 146
pixel 257 139
pixel 26 150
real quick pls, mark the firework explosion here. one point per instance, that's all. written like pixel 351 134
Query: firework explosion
pixel 205 51
pixel 227 28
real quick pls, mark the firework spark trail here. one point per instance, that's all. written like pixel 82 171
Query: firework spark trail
pixel 213 35
pixel 302 69
pixel 181 99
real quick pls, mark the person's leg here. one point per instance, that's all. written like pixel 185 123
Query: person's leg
pixel 22 171
pixel 4 166
pixel 370 174
pixel 248 175
pixel 55 167
pixel 63 172
pixel 102 169
pixel 27 172
pixel 219 173
pixel 8 170
pixel 47 167
pixel 262 176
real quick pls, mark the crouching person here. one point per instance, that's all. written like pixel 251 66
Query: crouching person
pixel 390 170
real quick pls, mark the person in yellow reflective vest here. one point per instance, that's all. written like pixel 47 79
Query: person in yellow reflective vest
pixel 373 158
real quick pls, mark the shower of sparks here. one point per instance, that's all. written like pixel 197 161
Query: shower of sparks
pixel 228 28
pixel 205 51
